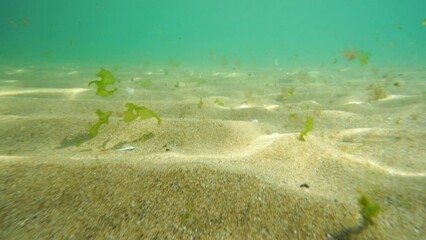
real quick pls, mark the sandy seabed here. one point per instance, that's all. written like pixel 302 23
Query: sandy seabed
pixel 238 171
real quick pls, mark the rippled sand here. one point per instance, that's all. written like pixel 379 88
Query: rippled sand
pixel 236 171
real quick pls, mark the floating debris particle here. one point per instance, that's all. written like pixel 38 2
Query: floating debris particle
pixel 25 23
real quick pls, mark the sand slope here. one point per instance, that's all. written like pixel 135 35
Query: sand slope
pixel 219 172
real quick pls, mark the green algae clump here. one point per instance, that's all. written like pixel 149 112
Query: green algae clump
pixel 363 58
pixel 106 79
pixel 134 111
pixel 309 125
pixel 218 102
pixel 369 209
pixel 103 119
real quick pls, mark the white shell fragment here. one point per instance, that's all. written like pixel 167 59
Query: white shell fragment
pixel 129 148
pixel 130 90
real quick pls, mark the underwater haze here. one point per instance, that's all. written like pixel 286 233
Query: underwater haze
pixel 207 33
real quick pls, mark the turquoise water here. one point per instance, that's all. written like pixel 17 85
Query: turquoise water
pixel 207 33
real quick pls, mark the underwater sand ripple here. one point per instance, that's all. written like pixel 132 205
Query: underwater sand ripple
pixel 71 92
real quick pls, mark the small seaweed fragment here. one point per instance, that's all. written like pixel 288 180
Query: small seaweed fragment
pixel 292 115
pixel 178 84
pixel 103 119
pixel 378 93
pixel 106 79
pixel 200 103
pixel 76 140
pixel 350 54
pixel 398 121
pixel 218 102
pixel 25 22
pixel 424 22
pixel 291 92
pixel 134 111
pixel 285 94
pixel 309 125
pixel 369 209
pixel 362 56
pixel 398 27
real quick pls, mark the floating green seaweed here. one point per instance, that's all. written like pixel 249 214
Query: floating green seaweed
pixel 218 102
pixel 309 125
pixel 362 56
pixel 103 119
pixel 106 79
pixel 369 209
pixel 134 111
